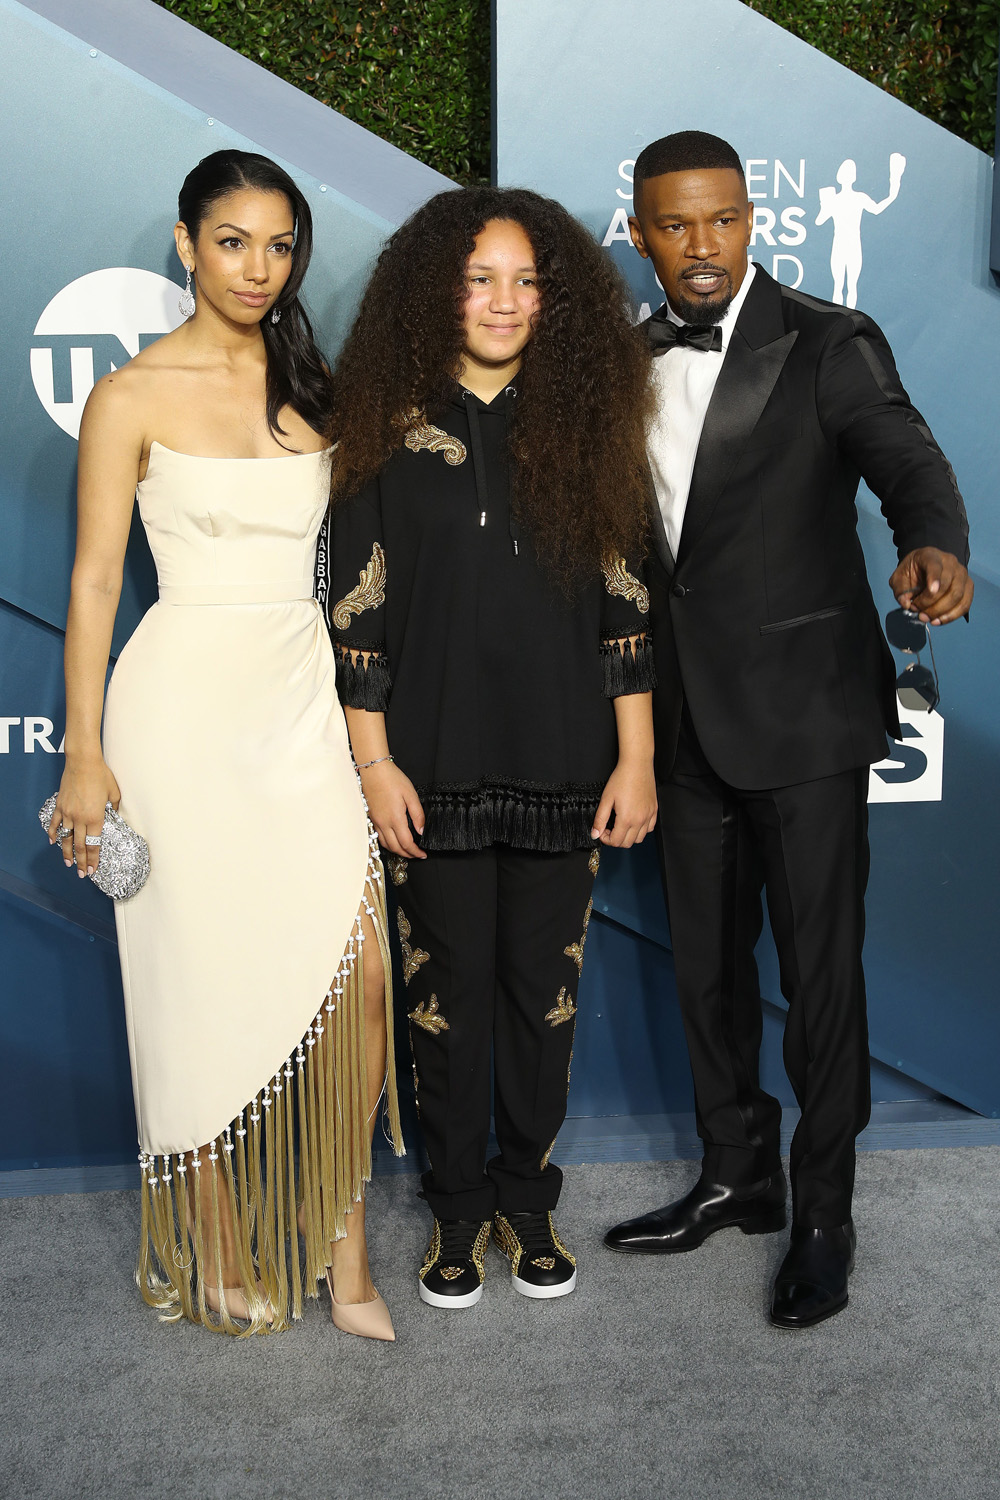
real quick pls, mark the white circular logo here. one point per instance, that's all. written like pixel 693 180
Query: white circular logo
pixel 93 326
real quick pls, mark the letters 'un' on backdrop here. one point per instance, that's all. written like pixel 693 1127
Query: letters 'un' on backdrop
pixel 858 200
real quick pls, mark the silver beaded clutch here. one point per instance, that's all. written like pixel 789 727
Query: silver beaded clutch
pixel 123 866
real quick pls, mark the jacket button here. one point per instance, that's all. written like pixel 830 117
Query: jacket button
pixel 678 591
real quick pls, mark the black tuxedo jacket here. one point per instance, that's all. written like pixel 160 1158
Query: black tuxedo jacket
pixel 765 622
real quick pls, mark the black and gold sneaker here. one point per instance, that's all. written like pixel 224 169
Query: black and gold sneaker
pixel 540 1264
pixel 454 1267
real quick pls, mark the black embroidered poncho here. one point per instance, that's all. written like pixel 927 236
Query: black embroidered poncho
pixel 496 690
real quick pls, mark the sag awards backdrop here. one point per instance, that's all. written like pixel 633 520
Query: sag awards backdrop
pixel 107 103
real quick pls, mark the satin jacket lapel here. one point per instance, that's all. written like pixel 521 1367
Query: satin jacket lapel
pixel 757 351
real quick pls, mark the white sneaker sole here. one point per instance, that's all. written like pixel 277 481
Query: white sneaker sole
pixel 528 1289
pixel 465 1299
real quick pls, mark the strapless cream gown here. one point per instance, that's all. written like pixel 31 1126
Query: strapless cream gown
pixel 241 955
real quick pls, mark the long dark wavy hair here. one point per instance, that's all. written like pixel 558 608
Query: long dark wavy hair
pixel 296 373
pixel 577 438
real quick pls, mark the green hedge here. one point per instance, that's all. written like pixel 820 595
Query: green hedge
pixel 417 72
pixel 938 56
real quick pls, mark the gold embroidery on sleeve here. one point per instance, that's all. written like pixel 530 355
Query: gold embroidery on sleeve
pixel 412 957
pixel 430 1018
pixel 423 435
pixel 620 582
pixel 369 594
pixel 563 1010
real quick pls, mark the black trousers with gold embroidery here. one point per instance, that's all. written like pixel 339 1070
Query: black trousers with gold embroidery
pixel 492 955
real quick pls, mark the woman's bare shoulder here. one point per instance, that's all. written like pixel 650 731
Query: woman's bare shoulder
pixel 137 386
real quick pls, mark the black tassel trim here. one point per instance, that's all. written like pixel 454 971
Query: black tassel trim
pixel 363 684
pixel 552 822
pixel 628 670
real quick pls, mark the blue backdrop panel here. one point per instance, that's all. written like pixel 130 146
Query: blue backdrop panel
pixel 102 117
pixel 842 175
pixel 67 1097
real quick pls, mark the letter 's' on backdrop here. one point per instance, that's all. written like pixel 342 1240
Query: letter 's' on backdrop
pixel 106 105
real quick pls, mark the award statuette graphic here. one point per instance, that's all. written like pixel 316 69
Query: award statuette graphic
pixel 846 207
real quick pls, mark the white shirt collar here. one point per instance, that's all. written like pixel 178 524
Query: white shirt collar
pixel 728 321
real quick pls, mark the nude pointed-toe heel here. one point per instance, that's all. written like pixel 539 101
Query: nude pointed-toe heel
pixel 369 1320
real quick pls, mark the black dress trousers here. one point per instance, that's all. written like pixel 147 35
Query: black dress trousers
pixel 492 944
pixel 807 846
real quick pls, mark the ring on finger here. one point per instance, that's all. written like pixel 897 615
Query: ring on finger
pixel 93 841
pixel 64 832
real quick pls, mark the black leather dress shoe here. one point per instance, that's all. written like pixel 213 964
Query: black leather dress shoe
pixel 709 1206
pixel 812 1282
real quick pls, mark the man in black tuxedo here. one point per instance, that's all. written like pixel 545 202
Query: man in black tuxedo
pixel 776 692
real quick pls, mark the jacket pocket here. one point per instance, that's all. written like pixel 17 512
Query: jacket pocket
pixel 819 614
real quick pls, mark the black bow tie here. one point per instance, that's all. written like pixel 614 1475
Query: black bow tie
pixel 664 334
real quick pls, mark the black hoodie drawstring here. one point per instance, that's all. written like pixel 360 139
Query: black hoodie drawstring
pixel 512 526
pixel 478 456
pixel 479 464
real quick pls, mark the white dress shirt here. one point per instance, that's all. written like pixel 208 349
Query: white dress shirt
pixel 684 380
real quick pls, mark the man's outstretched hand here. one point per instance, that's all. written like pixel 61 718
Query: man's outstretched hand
pixel 935 584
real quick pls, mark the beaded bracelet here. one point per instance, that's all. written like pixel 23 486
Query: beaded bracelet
pixel 377 762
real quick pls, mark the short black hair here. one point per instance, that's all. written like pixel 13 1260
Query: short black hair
pixel 686 151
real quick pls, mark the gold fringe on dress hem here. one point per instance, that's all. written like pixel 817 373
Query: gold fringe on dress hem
pixel 304 1141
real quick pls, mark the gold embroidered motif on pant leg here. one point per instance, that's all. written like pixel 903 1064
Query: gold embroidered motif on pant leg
pixel 545 1159
pixel 563 1010
pixel 575 950
pixel 398 869
pixel 423 435
pixel 594 862
pixel 369 594
pixel 412 957
pixel 429 1017
pixel 621 583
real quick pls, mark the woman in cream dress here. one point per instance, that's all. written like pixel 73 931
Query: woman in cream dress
pixel 254 960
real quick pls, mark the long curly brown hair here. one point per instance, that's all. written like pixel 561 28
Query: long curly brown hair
pixel 577 440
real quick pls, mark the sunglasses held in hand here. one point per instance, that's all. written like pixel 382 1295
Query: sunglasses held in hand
pixel 916 685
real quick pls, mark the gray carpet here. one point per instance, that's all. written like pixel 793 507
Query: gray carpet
pixel 657 1377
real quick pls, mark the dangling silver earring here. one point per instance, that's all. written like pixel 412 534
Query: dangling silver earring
pixel 185 304
pixel 275 314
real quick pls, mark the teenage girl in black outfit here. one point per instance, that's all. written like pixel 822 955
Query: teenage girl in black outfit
pixel 490 621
